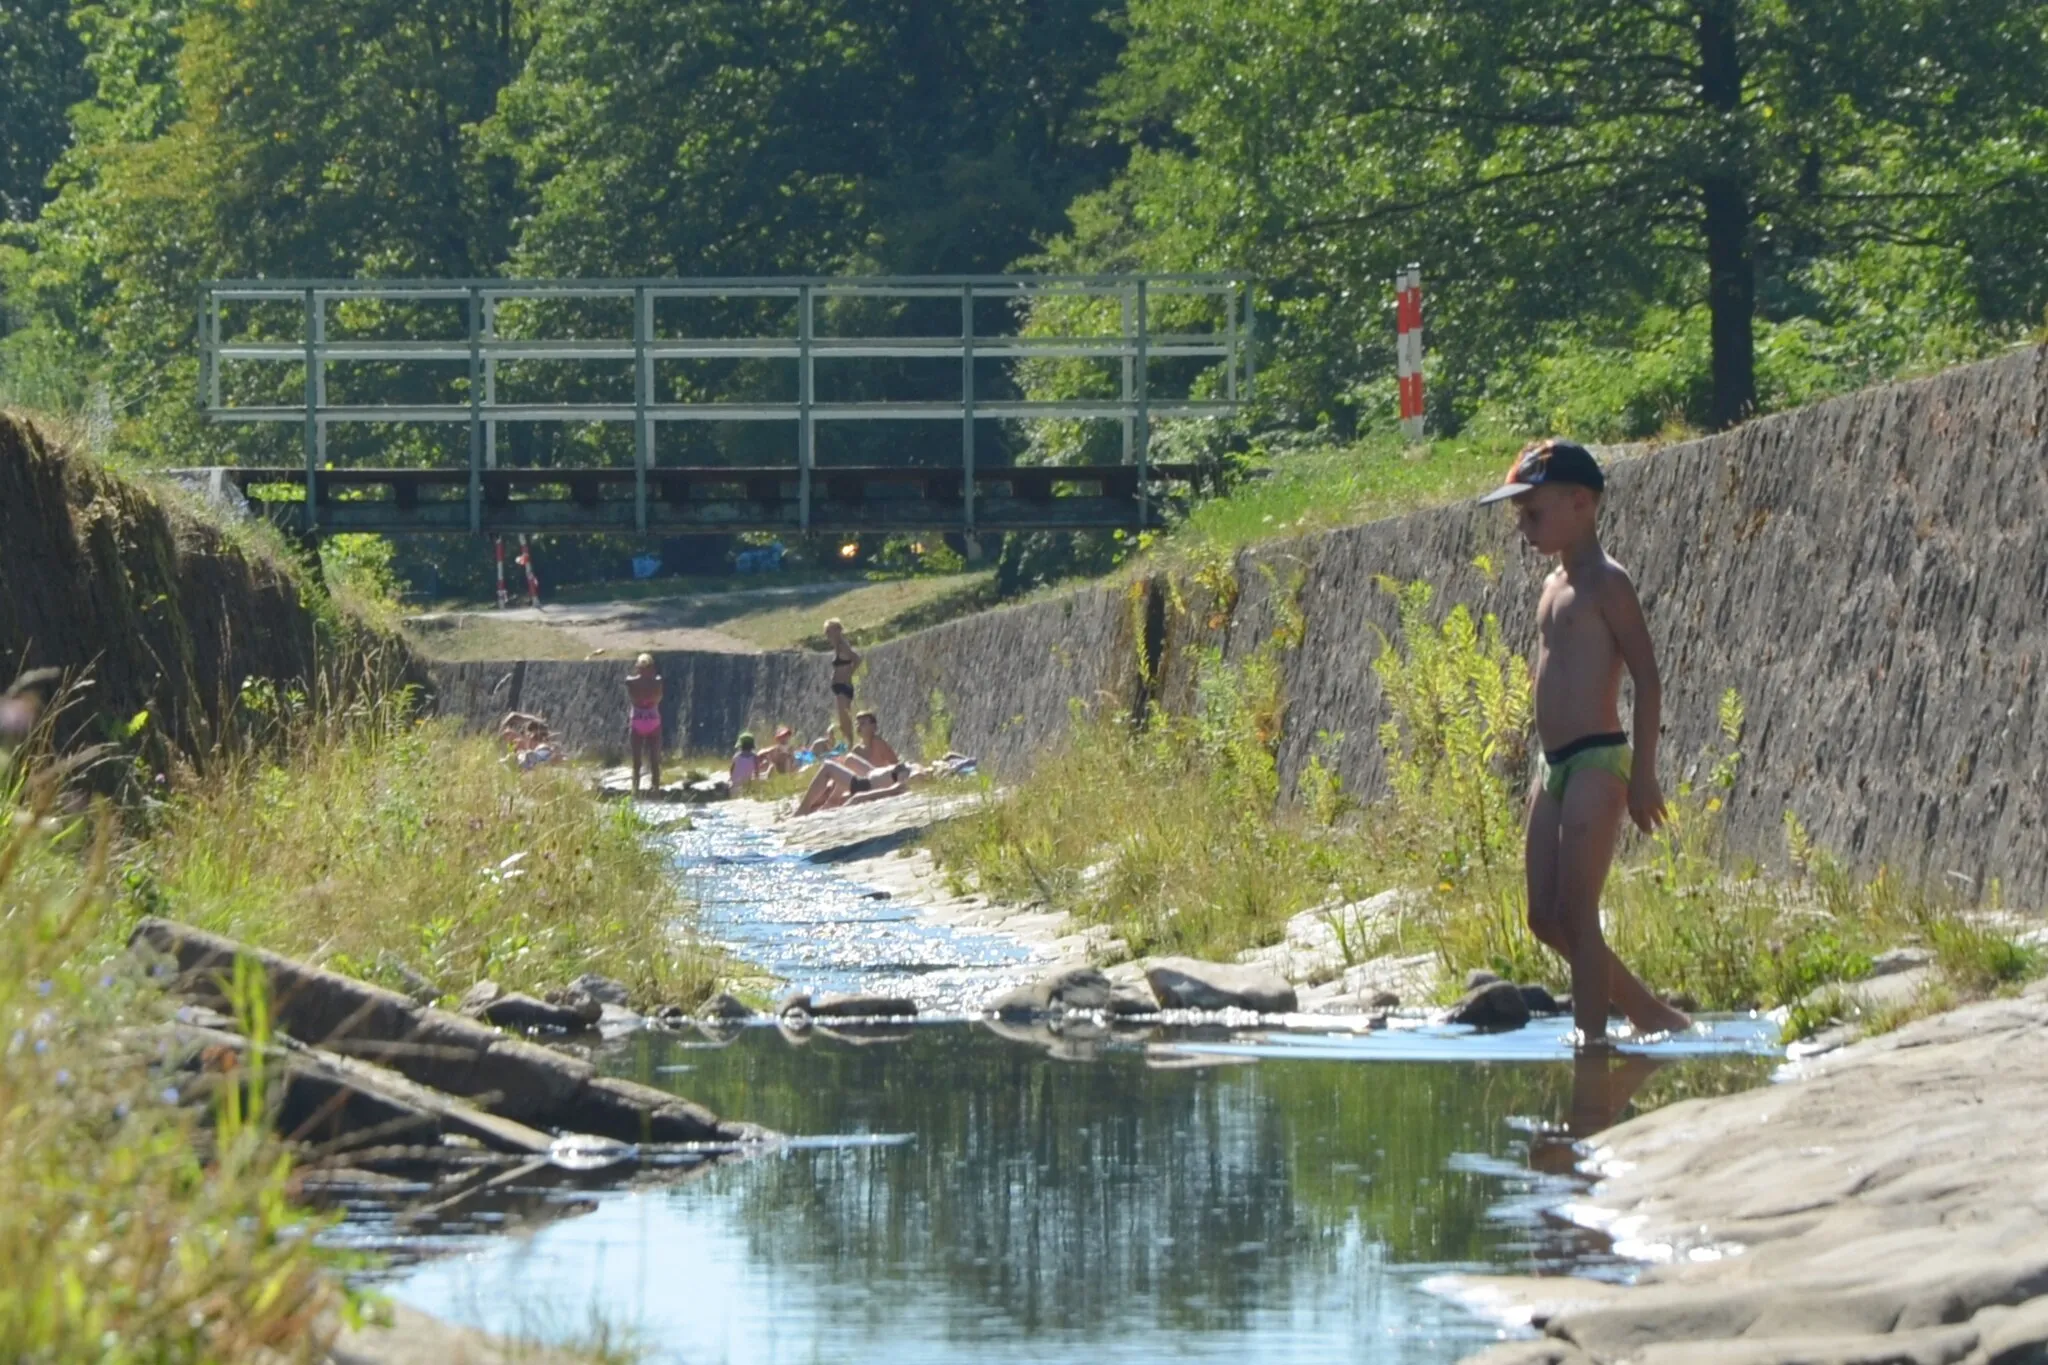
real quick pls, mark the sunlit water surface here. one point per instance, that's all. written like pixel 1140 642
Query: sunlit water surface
pixel 1201 1194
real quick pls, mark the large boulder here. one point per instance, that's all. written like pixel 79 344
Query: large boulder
pixel 1184 983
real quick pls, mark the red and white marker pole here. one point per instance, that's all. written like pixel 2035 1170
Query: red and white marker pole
pixel 1408 348
pixel 532 579
pixel 504 598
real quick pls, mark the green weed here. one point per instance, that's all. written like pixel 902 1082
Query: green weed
pixel 371 839
pixel 131 1229
pixel 1170 830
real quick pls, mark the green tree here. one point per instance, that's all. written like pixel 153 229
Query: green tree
pixel 1554 162
pixel 261 137
pixel 716 137
pixel 42 68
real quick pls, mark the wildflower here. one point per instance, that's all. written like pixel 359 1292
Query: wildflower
pixel 44 987
pixel 169 1094
pixel 63 1076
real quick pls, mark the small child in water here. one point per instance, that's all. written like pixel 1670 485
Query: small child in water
pixel 1589 627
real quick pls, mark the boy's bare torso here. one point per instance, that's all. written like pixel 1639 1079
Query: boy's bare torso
pixel 1578 661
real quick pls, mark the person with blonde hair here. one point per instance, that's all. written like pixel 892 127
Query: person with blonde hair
pixel 845 659
pixel 643 723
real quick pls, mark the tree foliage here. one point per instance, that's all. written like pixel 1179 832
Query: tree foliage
pixel 1628 211
pixel 43 65
pixel 1563 168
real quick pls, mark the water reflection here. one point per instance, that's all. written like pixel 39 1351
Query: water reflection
pixel 1267 1211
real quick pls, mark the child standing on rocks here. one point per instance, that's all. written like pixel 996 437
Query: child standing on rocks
pixel 1589 626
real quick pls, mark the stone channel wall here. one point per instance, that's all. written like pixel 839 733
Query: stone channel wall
pixel 1871 574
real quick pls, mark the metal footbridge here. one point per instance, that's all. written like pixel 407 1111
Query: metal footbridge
pixel 366 365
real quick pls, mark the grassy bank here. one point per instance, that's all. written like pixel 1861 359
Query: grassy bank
pixel 139 1223
pixel 1175 834
pixel 1321 487
pixel 371 840
pixel 129 1230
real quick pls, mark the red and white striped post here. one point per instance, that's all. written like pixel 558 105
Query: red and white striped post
pixel 504 598
pixel 525 562
pixel 1408 348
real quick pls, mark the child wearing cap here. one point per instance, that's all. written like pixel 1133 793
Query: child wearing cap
pixel 1589 627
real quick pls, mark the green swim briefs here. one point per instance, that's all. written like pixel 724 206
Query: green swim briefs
pixel 1602 757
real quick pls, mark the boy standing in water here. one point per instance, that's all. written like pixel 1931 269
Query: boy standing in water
pixel 1589 626
pixel 643 723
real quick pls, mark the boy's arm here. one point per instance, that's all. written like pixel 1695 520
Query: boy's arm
pixel 1624 614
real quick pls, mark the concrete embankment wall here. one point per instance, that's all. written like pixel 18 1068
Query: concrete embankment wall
pixel 101 573
pixel 1871 574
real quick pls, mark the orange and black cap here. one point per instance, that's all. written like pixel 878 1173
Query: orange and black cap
pixel 1551 461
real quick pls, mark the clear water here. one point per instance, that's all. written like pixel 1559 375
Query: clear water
pixel 1014 1194
pixel 809 924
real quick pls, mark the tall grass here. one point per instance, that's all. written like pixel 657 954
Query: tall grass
pixel 366 838
pixel 1171 832
pixel 128 1231
pixel 1168 832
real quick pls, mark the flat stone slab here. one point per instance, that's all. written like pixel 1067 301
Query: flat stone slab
pixel 1888 1203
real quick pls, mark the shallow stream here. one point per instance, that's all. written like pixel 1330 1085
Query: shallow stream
pixel 966 1190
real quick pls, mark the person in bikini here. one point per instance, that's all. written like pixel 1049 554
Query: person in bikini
pixel 872 763
pixel 643 724
pixel 1589 627
pixel 845 659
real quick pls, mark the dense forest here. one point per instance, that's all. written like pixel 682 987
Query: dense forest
pixel 1633 215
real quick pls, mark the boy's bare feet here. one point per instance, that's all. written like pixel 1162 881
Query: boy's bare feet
pixel 1655 1016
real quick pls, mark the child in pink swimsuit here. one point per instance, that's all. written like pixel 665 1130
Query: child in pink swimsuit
pixel 643 729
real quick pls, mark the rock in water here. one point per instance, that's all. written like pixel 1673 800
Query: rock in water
pixel 584 1152
pixel 726 1005
pixel 520 1012
pixel 1479 976
pixel 836 1006
pixel 1541 1001
pixel 1075 989
pixel 1494 1005
pixel 1183 983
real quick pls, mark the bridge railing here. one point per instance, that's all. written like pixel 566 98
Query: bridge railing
pixel 1209 323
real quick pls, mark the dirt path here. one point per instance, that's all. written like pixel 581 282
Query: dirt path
pixel 628 627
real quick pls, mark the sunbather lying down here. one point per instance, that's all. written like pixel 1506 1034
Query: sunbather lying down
pixel 843 783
